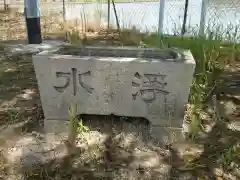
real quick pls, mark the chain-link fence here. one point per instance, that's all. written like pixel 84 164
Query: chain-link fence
pixel 223 18
pixel 217 16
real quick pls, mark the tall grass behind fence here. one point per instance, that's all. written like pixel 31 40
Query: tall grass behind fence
pixel 173 16
pixel 223 19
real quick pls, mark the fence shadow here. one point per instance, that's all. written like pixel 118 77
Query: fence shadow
pixel 221 146
pixel 119 150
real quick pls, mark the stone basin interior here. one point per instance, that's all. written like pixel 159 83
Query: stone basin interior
pixel 129 52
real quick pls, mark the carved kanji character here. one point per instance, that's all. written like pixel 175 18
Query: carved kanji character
pixel 73 76
pixel 148 85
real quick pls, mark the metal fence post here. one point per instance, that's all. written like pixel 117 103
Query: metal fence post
pixel 64 10
pixel 32 16
pixel 203 17
pixel 161 17
pixel 108 14
pixel 6 4
pixel 183 31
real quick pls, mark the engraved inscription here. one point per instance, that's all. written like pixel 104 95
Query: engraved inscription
pixel 148 86
pixel 66 76
pixel 85 86
pixel 76 78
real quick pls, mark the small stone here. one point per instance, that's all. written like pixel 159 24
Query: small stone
pixel 233 165
pixel 208 127
pixel 92 138
pixel 205 116
pixel 162 170
pixel 145 159
pixel 185 148
pixel 234 126
pixel 186 176
pixel 227 108
pixel 218 172
pixel 228 176
pixel 236 172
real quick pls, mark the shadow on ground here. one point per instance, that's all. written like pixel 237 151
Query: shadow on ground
pixel 19 97
pixel 119 147
pixel 220 157
pixel 115 148
pixel 125 151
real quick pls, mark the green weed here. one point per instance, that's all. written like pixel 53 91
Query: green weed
pixel 73 37
pixel 76 125
pixel 73 124
pixel 229 155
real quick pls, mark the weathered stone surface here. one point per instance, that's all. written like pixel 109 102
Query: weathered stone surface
pixel 21 47
pixel 119 81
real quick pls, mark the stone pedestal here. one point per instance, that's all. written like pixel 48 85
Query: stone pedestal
pixel 135 82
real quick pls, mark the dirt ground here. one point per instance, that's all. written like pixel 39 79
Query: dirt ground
pixel 115 147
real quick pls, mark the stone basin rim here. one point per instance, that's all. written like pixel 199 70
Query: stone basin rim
pixel 168 54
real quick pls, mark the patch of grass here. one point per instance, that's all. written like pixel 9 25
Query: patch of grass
pixel 194 125
pixel 3 165
pixel 76 126
pixel 73 124
pixel 13 115
pixel 230 154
